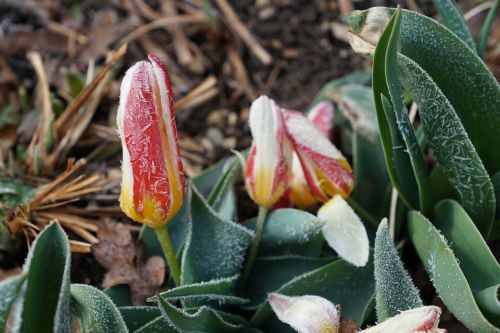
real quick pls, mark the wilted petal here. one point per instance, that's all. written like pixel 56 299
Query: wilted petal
pixel 153 183
pixel 266 170
pixel 325 168
pixel 322 115
pixel 419 320
pixel 306 314
pixel 344 231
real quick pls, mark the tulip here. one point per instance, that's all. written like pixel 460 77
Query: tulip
pixel 266 177
pixel 418 320
pixel 306 314
pixel 326 170
pixel 299 193
pixel 344 231
pixel 153 184
pixel 266 171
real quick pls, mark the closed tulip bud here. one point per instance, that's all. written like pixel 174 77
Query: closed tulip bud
pixel 306 314
pixel 266 170
pixel 299 193
pixel 153 184
pixel 326 170
pixel 418 320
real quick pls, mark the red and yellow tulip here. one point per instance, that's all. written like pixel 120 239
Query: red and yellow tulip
pixel 153 184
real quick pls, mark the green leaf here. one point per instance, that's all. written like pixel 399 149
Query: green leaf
pixel 397 160
pixel 489 304
pixel 9 289
pixel 485 30
pixel 157 325
pixel 451 145
pixel 208 178
pixel 403 121
pixel 96 311
pixel 270 273
pixel 221 197
pixel 45 307
pixel 476 260
pixel 351 287
pixel 221 290
pixel 13 193
pixel 136 317
pixel 215 247
pixel 119 294
pixel 462 77
pixel 395 291
pixel 352 78
pixel 204 319
pixel 75 82
pixel 454 20
pixel 446 275
pixel 496 187
pixel 289 231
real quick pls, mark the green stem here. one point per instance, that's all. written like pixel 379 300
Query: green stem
pixel 168 250
pixel 261 218
pixel 361 211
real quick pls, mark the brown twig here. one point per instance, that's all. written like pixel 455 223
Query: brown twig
pixel 241 73
pixel 241 30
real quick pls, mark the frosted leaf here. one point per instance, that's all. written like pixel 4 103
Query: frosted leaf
pixel 395 291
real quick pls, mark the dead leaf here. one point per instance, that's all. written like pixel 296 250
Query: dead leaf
pixel 122 257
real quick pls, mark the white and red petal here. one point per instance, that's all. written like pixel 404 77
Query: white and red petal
pixel 418 320
pixel 266 170
pixel 322 115
pixel 325 168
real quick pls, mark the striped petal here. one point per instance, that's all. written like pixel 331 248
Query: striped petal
pixel 266 171
pixel 153 184
pixel 322 115
pixel 325 168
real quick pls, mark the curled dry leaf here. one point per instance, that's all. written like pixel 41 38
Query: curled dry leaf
pixel 122 257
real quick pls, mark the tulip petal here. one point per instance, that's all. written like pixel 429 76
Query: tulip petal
pixel 344 231
pixel 418 320
pixel 322 115
pixel 306 314
pixel 266 172
pixel 325 168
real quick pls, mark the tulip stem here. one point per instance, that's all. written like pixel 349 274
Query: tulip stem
pixel 168 250
pixel 252 252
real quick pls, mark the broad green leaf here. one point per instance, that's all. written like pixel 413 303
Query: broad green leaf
pixel 289 231
pixel 75 82
pixel 220 290
pixel 204 319
pixel 215 248
pixel 136 317
pixel 208 178
pixel 489 304
pixel 119 294
pixel 395 291
pixel 462 77
pixel 397 160
pixel 159 324
pixel 446 275
pixel 485 30
pixel 352 78
pixel 270 273
pixel 476 260
pixel 454 20
pixel 9 289
pixel 46 307
pixel 13 193
pixel 96 311
pixel 393 83
pixel 496 186
pixel 344 284
pixel 450 144
pixel 222 197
